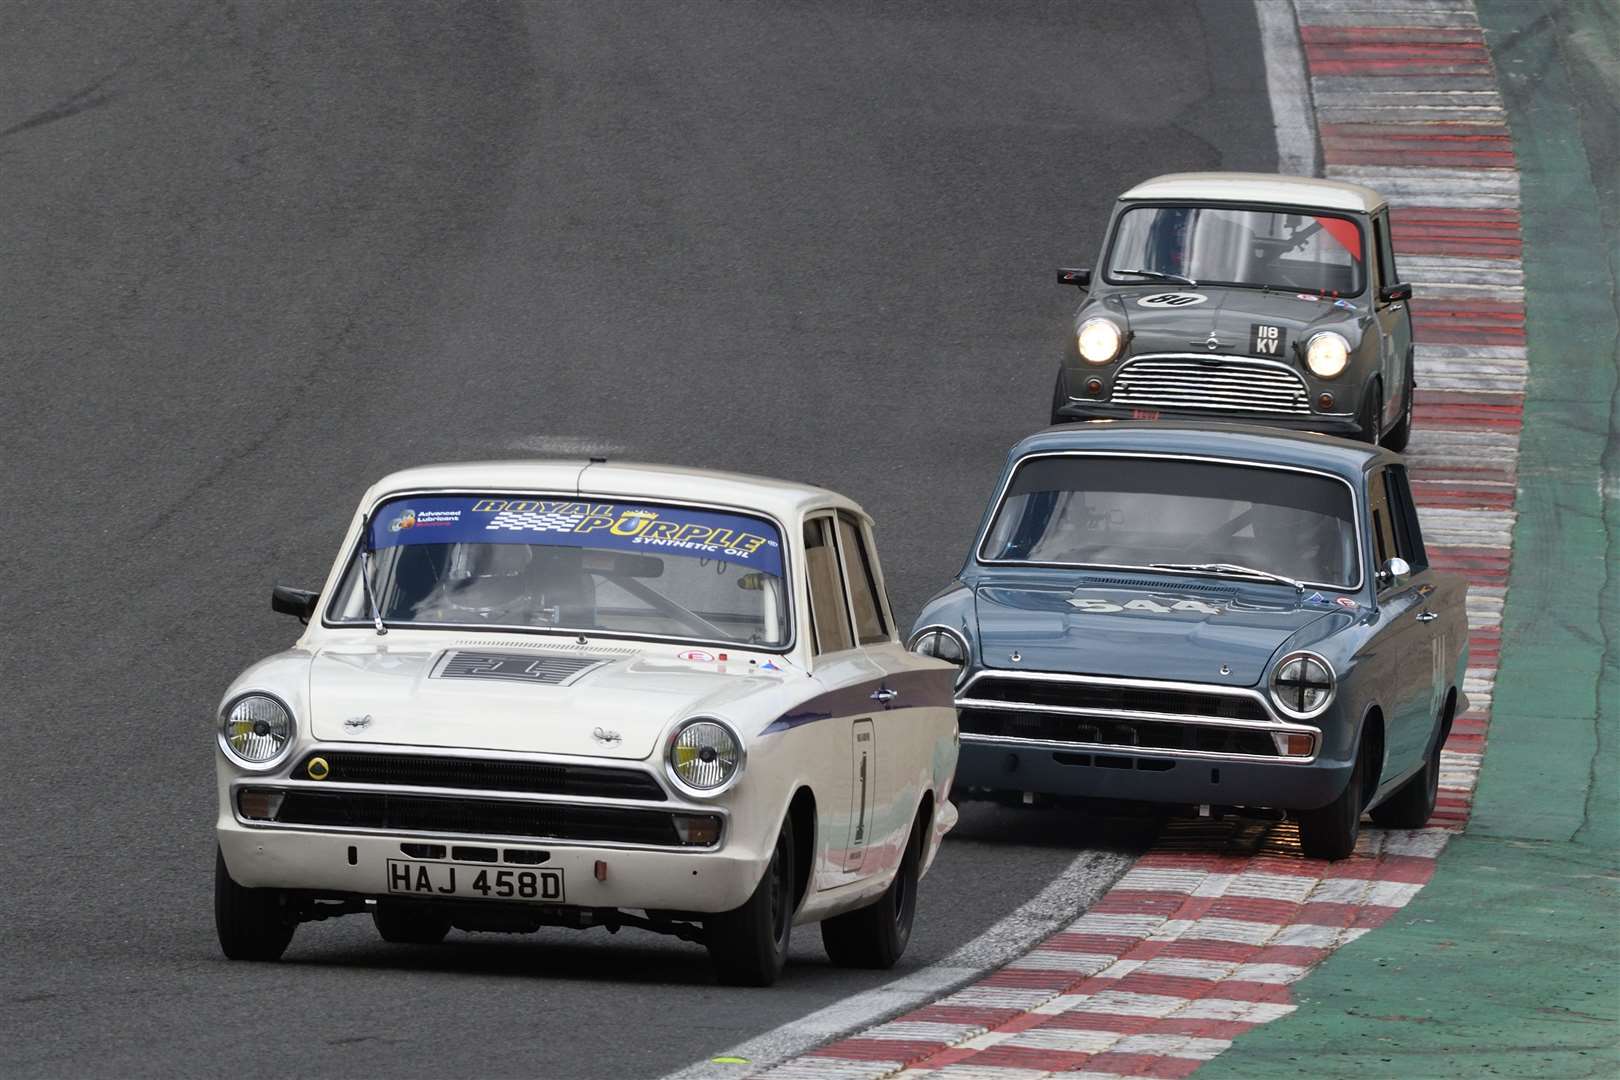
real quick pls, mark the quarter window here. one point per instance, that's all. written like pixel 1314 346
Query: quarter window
pixel 1387 274
pixel 1382 523
pixel 1408 532
pixel 829 612
pixel 863 588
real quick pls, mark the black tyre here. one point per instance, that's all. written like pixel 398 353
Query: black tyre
pixel 1412 805
pixel 749 944
pixel 1060 398
pixel 253 924
pixel 1399 435
pixel 876 936
pixel 1331 832
pixel 409 924
pixel 1372 414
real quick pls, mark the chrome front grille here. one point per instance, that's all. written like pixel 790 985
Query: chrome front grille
pixel 1195 382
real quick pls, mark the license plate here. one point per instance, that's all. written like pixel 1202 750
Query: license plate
pixel 463 880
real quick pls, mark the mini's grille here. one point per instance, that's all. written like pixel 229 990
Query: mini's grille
pixel 1167 382
pixel 1116 698
pixel 1140 734
pixel 485 774
pixel 478 817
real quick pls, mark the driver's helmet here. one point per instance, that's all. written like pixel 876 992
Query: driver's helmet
pixel 488 579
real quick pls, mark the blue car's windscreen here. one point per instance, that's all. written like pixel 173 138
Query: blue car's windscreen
pixel 634 568
pixel 1123 511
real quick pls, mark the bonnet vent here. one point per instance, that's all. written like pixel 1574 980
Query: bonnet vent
pixel 515 667
pixel 1137 583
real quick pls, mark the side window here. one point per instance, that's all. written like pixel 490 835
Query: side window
pixel 1383 527
pixel 829 613
pixel 863 588
pixel 1387 274
pixel 1408 532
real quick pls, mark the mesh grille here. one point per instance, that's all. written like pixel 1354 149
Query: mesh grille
pixel 1141 734
pixel 1230 385
pixel 1077 695
pixel 478 817
pixel 415 770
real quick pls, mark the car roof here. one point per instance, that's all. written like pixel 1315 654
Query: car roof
pixel 1211 439
pixel 617 480
pixel 1270 188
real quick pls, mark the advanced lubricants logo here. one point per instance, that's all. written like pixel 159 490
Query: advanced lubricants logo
pixel 639 526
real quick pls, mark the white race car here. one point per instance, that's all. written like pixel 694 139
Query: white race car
pixel 580 694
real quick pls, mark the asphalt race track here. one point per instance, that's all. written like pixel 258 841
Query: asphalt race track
pixel 257 255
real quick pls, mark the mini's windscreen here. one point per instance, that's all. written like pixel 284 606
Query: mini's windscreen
pixel 1108 511
pixel 630 568
pixel 1256 248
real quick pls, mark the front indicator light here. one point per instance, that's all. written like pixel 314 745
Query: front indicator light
pixel 1293 743
pixel 1098 340
pixel 1327 354
pixel 259 804
pixel 697 830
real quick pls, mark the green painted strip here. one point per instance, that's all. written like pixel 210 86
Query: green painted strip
pixel 1507 962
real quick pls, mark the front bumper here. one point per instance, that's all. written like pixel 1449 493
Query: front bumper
pixel 1086 772
pixel 352 863
pixel 1345 425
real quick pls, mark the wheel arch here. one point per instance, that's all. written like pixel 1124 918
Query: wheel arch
pixel 1370 740
pixel 802 813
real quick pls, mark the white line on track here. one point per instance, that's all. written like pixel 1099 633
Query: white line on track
pixel 1064 898
pixel 1288 87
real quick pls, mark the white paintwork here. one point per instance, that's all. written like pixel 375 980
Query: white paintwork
pixel 1270 188
pixel 335 673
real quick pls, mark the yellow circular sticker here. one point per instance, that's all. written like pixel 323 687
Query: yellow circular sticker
pixel 318 769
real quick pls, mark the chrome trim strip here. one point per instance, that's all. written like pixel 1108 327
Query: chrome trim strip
pixel 1139 751
pixel 1120 714
pixel 290 784
pixel 474 753
pixel 1242 463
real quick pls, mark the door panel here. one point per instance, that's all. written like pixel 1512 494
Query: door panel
pixel 862 783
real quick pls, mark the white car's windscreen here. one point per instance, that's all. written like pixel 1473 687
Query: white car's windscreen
pixel 638 569
pixel 1119 511
pixel 1224 246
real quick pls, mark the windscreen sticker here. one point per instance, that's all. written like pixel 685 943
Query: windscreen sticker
pixel 648 529
pixel 1345 232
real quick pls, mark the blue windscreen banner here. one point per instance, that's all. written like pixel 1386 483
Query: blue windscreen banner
pixel 646 528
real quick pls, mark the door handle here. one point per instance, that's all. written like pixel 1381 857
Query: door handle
pixel 1428 616
pixel 883 695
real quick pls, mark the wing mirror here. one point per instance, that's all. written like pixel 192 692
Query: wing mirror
pixel 1391 294
pixel 1078 276
pixel 286 600
pixel 1395 573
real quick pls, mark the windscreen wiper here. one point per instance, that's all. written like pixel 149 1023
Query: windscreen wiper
pixel 1230 569
pixel 365 575
pixel 1161 276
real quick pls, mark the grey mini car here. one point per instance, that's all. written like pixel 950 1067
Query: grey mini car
pixel 1249 297
pixel 1204 615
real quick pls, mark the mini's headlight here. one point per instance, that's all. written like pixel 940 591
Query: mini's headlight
pixel 705 755
pixel 940 643
pixel 1302 685
pixel 1099 340
pixel 1326 354
pixel 256 730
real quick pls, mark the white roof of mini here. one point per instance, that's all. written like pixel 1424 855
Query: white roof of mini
pixel 615 480
pixel 1272 188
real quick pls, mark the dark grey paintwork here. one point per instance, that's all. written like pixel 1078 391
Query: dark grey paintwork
pixel 1397 676
pixel 1377 381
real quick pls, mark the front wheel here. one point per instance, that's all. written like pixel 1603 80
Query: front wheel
pixel 1401 433
pixel 252 924
pixel 1372 414
pixel 1060 398
pixel 876 936
pixel 749 944
pixel 1331 832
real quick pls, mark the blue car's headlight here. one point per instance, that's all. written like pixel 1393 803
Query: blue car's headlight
pixel 1302 685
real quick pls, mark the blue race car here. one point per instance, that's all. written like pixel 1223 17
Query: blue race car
pixel 1206 615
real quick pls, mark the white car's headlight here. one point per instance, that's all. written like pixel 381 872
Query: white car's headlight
pixel 705 755
pixel 1326 354
pixel 1099 340
pixel 1302 685
pixel 256 730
